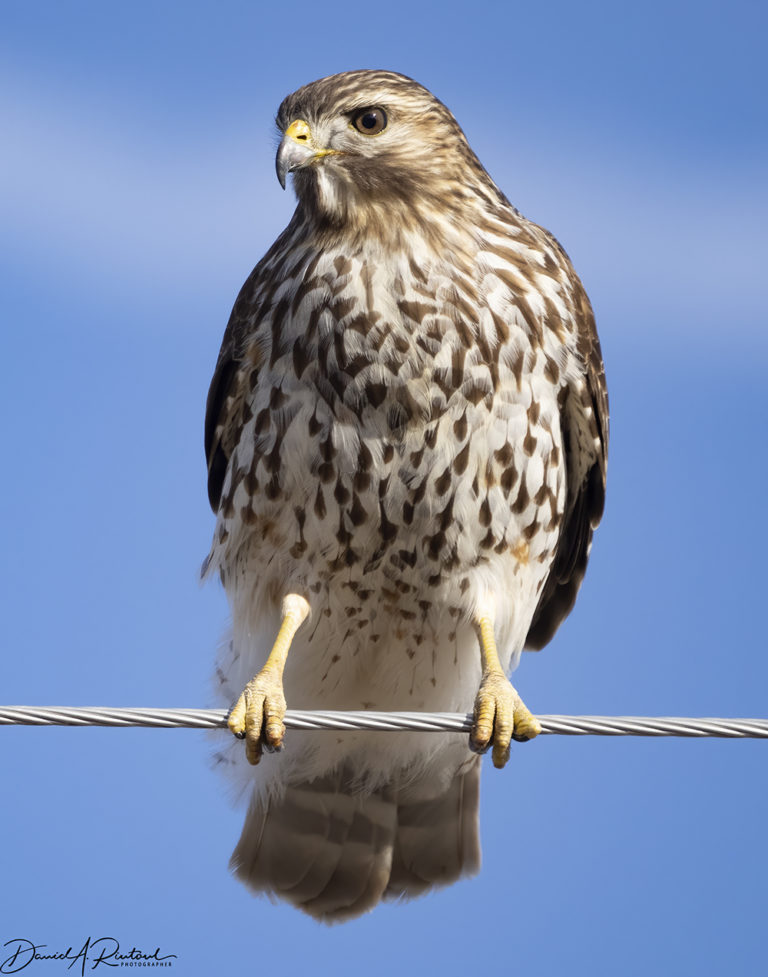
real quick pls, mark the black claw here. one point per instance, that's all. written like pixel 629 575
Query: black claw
pixel 479 750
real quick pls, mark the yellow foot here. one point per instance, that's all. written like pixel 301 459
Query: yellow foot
pixel 258 715
pixel 500 716
pixel 259 712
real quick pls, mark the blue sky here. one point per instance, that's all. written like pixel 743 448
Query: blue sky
pixel 137 190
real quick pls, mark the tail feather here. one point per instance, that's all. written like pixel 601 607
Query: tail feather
pixel 438 837
pixel 290 850
pixel 335 852
pixel 363 868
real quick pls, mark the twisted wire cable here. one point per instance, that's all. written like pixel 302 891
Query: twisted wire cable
pixel 383 721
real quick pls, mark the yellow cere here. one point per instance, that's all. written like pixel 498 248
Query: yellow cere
pixel 299 131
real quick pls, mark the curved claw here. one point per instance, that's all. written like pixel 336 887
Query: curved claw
pixel 258 714
pixel 500 716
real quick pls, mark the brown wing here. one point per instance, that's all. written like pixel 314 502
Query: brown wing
pixel 584 419
pixel 231 380
pixel 237 368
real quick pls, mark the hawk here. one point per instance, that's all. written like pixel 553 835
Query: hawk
pixel 406 437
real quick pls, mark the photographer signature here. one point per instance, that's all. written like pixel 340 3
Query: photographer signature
pixel 105 950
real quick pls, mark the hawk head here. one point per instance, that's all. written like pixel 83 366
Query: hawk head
pixel 375 146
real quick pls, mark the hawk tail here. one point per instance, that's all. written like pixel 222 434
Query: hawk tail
pixel 334 851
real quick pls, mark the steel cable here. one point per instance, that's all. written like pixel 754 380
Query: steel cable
pixel 383 721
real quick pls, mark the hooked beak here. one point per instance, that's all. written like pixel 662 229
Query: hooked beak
pixel 296 150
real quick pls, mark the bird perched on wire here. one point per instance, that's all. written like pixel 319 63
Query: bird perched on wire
pixel 406 437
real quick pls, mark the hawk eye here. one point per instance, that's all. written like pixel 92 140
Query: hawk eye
pixel 370 121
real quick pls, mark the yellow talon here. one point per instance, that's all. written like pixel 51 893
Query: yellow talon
pixel 258 714
pixel 500 715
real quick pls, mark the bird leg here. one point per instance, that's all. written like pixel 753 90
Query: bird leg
pixel 500 715
pixel 258 714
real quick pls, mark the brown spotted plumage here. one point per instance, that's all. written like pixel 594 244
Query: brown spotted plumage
pixel 406 436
